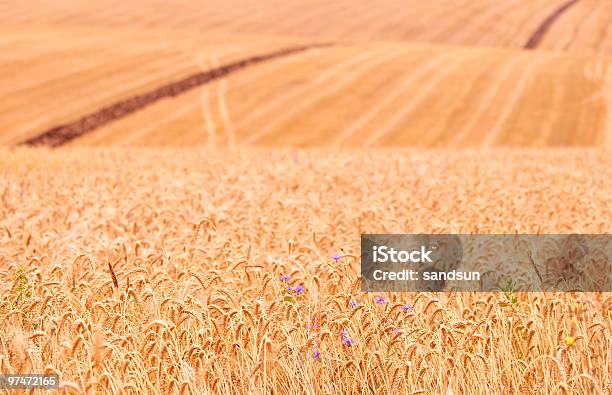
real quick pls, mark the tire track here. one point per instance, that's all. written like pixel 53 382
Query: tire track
pixel 429 85
pixel 485 98
pixel 322 79
pixel 338 83
pixel 514 99
pixel 61 134
pixel 211 139
pixel 118 83
pixel 538 35
pixel 602 71
pixel 554 110
pixel 374 111
pixel 173 115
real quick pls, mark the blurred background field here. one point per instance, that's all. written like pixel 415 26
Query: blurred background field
pixel 397 73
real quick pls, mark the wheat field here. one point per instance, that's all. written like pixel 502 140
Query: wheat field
pixel 168 287
pixel 196 230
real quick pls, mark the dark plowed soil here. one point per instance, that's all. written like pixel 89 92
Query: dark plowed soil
pixel 537 36
pixel 61 134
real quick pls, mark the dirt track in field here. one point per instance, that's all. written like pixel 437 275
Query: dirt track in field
pixel 61 134
pixel 538 35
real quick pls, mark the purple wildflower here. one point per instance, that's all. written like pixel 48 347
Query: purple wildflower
pixel 317 355
pixel 406 308
pixel 380 300
pixel 298 289
pixel 285 278
pixel 353 303
pixel 347 341
pixel 336 257
pixel 289 288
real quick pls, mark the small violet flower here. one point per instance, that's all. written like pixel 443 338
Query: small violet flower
pixel 285 278
pixel 298 289
pixel 406 308
pixel 347 341
pixel 317 355
pixel 336 257
pixel 353 303
pixel 380 300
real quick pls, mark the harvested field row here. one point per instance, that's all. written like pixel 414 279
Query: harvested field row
pixel 507 23
pixel 387 95
pixel 537 36
pixel 586 25
pixel 157 269
pixel 52 77
pixel 59 135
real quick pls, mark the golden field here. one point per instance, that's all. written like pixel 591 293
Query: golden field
pixel 145 254
pixel 584 28
pixel 461 81
pixel 358 95
pixel 198 240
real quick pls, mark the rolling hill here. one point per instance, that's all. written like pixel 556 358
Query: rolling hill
pixel 434 75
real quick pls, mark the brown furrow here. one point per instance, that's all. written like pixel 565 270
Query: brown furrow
pixel 538 35
pixel 61 134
